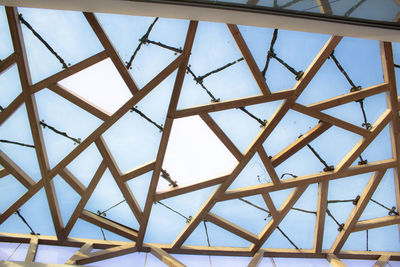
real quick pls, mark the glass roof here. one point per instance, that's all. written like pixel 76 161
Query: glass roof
pixel 178 133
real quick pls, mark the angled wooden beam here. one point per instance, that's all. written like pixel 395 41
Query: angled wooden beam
pixel 32 249
pixel 179 190
pixel 231 227
pixel 7 63
pixel 275 221
pixel 357 211
pixel 230 104
pixel 301 142
pixel 382 261
pixel 11 168
pixel 33 116
pixel 138 171
pixel 113 54
pixel 74 182
pixel 377 127
pixel 79 101
pixel 321 211
pixel 11 108
pixel 84 199
pixel 270 204
pixel 334 260
pixel 21 201
pixel 108 224
pixel 268 165
pixel 81 253
pixel 173 103
pixel 106 254
pixel 308 179
pixel 375 223
pixel 3 173
pixel 116 173
pixel 330 119
pixel 257 258
pixel 116 116
pixel 349 97
pixel 259 140
pixel 221 135
pixel 324 7
pixel 165 257
pixel 248 57
pixel 71 70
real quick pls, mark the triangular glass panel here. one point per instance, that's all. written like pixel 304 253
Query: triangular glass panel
pixel 85 165
pixel 68 34
pixel 108 200
pixel 6 47
pixel 100 84
pixel 68 198
pixel 174 213
pixel 57 114
pixel 10 184
pixel 16 129
pixel 194 153
pixel 254 207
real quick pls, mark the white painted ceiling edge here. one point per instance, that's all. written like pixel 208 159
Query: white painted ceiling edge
pixel 213 15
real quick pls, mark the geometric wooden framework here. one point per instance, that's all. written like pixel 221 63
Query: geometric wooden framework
pixel 299 185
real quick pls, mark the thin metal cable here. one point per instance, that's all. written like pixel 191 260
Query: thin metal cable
pixel 260 121
pixel 16 143
pixel 188 219
pixel 340 226
pixel 254 205
pixel 166 176
pixel 392 211
pixel 367 240
pixel 290 4
pixel 201 78
pixel 142 40
pixel 305 211
pixel 135 109
pixel 339 66
pixel 24 221
pixel 397 66
pixel 327 167
pixel 213 98
pixel 45 125
pixel 271 48
pixel 208 240
pixel 37 35
pixel 366 124
pixel 113 206
pixel 290 174
pixel 273 262
pixel 291 242
pixel 12 254
pixel 104 236
pixel 318 6
pixel 351 10
pixel 174 49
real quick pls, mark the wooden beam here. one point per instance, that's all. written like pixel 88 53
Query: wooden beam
pixel 324 7
pixel 108 224
pixel 138 171
pixel 357 211
pixel 74 182
pixel 81 253
pixel 301 142
pixel 179 190
pixel 321 211
pixel 334 260
pixel 55 78
pixel 271 206
pixel 268 165
pixel 308 179
pixel 113 54
pixel 32 249
pixel 173 103
pixel 116 173
pixel 275 221
pixel 106 254
pixel 377 127
pixel 33 116
pixel 230 104
pixel 79 101
pixel 165 257
pixel 231 227
pixel 382 261
pixel 375 223
pixel 248 57
pixel 330 119
pixel 257 258
pixel 221 135
pixel 349 97
pixel 84 199
pixel 11 168
pixel 6 63
pixel 116 116
pixel 11 108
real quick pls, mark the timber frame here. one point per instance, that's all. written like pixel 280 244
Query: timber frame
pixel 114 248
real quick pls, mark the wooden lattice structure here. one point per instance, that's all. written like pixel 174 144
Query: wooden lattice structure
pixel 299 184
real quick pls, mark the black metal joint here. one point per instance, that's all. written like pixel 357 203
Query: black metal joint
pixel 299 75
pixel 355 201
pixel 329 168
